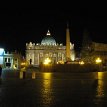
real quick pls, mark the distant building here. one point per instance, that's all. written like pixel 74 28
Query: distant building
pixel 94 51
pixel 99 47
pixel 48 48
pixel 99 50
pixel 1 55
pixel 10 60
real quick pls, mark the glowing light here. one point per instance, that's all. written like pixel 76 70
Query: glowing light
pixel 23 63
pixel 81 62
pixel 60 62
pixel 1 60
pixel 98 60
pixel 48 33
pixel 47 61
pixel 1 51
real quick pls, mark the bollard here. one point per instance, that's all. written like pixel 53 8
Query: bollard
pixel 21 75
pixel 33 75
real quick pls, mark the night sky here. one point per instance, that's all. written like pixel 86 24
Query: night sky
pixel 19 26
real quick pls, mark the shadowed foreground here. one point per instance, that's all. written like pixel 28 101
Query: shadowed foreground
pixel 53 90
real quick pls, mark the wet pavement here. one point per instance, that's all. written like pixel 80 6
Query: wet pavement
pixel 53 90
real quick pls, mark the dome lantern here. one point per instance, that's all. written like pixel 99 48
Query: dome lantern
pixel 48 33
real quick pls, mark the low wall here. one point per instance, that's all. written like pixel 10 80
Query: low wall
pixel 76 68
pixel 71 68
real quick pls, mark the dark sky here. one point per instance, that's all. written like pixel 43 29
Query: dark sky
pixel 21 25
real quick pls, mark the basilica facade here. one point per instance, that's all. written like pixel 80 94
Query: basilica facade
pixel 48 48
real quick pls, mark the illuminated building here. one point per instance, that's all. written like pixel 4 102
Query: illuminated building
pixel 48 48
pixel 10 60
pixel 1 56
pixel 94 50
pixel 99 50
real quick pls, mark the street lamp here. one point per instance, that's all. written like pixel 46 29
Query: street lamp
pixel 98 60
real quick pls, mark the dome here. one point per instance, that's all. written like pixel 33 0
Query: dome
pixel 48 40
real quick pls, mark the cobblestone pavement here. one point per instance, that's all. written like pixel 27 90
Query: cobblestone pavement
pixel 52 90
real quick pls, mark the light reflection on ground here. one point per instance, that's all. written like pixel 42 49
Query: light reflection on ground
pixel 54 90
pixel 47 89
pixel 100 86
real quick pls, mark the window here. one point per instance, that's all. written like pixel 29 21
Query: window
pixel 5 59
pixel 8 64
pixel 8 59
